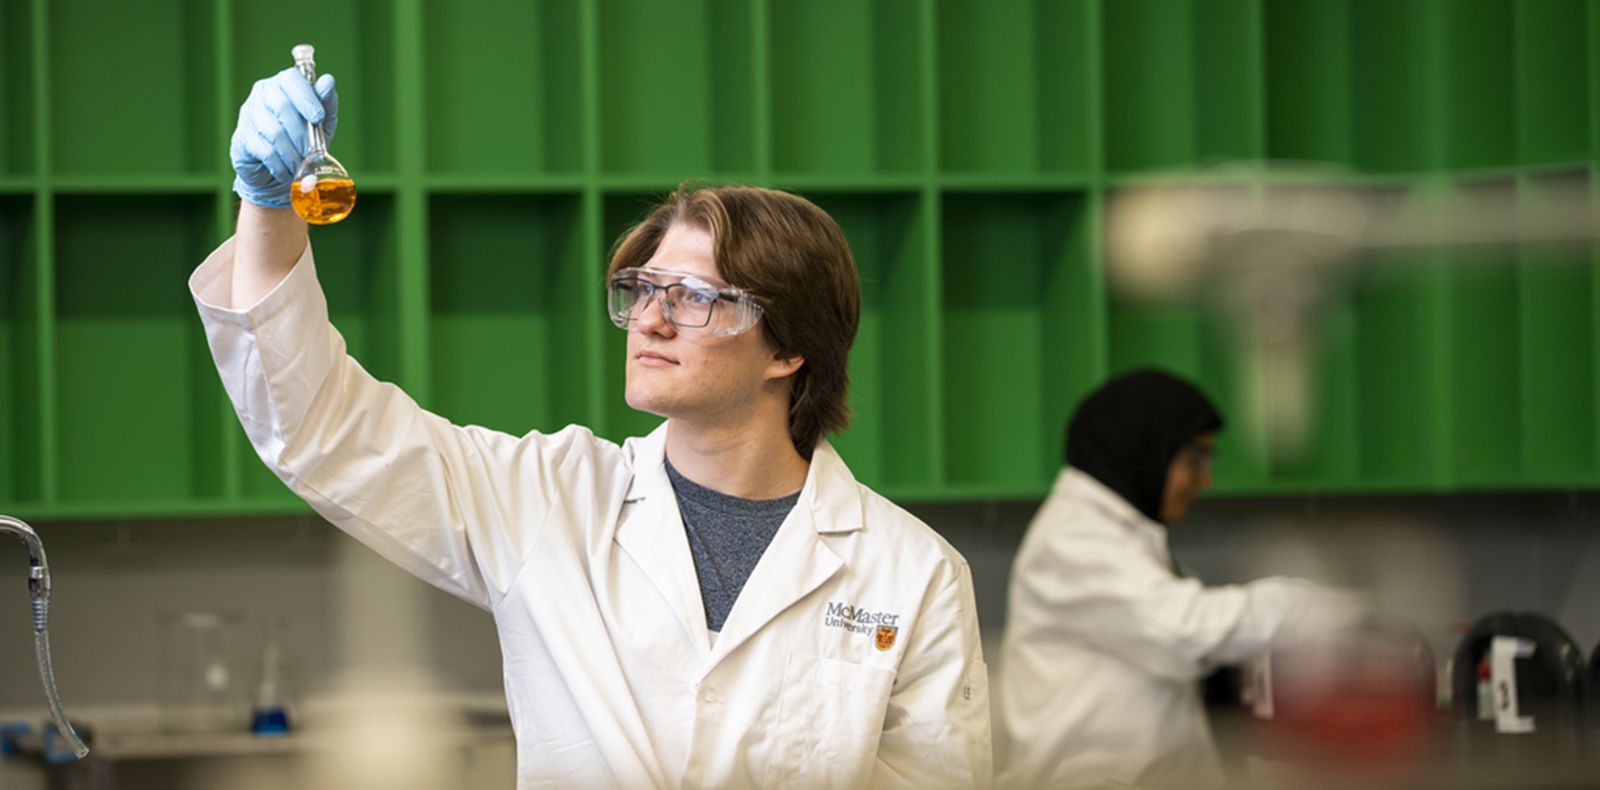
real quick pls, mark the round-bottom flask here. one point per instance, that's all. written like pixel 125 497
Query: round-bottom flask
pixel 323 191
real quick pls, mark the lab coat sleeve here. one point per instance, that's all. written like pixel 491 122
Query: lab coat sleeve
pixel 449 504
pixel 1104 591
pixel 936 732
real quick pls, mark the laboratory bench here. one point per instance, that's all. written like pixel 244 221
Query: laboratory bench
pixel 462 748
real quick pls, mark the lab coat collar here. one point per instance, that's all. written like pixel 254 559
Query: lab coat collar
pixel 652 533
pixel 797 561
pixel 1077 484
pixel 794 564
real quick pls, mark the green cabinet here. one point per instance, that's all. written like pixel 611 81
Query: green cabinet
pixel 966 147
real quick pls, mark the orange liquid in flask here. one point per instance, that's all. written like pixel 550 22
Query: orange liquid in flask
pixel 329 200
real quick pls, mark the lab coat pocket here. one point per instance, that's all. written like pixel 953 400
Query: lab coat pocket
pixel 829 719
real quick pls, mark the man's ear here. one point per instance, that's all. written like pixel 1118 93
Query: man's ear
pixel 782 366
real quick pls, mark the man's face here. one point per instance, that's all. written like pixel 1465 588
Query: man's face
pixel 1188 475
pixel 708 380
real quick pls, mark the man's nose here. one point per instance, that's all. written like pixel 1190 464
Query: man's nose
pixel 652 320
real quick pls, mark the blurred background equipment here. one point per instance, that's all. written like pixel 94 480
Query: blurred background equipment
pixel 1269 248
pixel 1359 701
pixel 1532 723
pixel 201 686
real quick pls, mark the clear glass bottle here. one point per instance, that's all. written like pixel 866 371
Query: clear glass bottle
pixel 200 684
pixel 323 191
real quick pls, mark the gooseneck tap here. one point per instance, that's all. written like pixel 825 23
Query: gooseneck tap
pixel 39 591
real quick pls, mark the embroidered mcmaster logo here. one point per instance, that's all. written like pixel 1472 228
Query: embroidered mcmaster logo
pixel 859 619
pixel 886 635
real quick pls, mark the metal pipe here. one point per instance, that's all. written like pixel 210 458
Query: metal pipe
pixel 39 590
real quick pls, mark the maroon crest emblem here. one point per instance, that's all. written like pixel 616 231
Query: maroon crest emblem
pixel 886 635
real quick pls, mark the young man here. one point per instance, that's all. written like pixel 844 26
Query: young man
pixel 717 604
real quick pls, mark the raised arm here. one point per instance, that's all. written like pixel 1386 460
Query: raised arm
pixel 266 245
pixel 268 145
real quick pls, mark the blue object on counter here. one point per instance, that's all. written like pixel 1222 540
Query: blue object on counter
pixel 269 721
pixel 9 731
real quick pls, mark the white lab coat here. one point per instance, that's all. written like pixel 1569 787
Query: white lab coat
pixel 850 659
pixel 1104 643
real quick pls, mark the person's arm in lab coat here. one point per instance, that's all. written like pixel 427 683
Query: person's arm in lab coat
pixel 267 243
pixel 456 506
pixel 1105 591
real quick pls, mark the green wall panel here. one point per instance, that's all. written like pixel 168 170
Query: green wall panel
pixel 1553 52
pixel 846 89
pixel 1486 313
pixel 675 84
pixel 510 297
pixel 1162 337
pixel 966 148
pixel 1149 84
pixel 125 354
pixel 1014 84
pixel 1308 86
pixel 15 259
pixel 1557 365
pixel 104 60
pixel 890 441
pixel 1480 58
pixel 1389 121
pixel 1007 260
pixel 16 89
pixel 1396 399
pixel 501 95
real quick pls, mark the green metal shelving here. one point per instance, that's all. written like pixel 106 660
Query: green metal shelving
pixel 967 148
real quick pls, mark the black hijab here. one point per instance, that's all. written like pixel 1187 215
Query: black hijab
pixel 1126 433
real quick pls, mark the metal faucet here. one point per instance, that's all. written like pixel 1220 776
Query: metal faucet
pixel 39 590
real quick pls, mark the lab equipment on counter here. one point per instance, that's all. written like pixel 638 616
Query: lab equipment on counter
pixel 1536 679
pixel 201 687
pixel 323 191
pixel 1360 703
pixel 39 589
pixel 270 715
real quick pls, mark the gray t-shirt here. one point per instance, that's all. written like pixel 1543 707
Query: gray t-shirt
pixel 727 536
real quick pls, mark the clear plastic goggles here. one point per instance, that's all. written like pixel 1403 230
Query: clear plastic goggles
pixel 695 307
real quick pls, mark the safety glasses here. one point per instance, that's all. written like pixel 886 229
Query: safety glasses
pixel 695 307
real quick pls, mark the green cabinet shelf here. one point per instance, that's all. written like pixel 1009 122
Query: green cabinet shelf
pixel 967 148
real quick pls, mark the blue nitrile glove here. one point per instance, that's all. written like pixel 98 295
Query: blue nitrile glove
pixel 271 138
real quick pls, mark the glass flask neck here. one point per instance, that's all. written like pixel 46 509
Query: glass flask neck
pixel 308 68
pixel 318 143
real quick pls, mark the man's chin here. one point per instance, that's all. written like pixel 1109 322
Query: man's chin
pixel 640 401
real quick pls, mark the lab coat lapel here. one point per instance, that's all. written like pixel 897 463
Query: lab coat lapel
pixel 797 561
pixel 652 534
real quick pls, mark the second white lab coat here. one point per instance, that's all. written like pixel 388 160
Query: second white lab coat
pixel 1104 643
pixel 850 659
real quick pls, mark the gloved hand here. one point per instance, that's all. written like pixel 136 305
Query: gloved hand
pixel 271 139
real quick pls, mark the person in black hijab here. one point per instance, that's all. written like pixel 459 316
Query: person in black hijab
pixel 1104 639
pixel 1142 433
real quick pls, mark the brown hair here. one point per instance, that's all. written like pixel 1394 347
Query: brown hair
pixel 794 259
